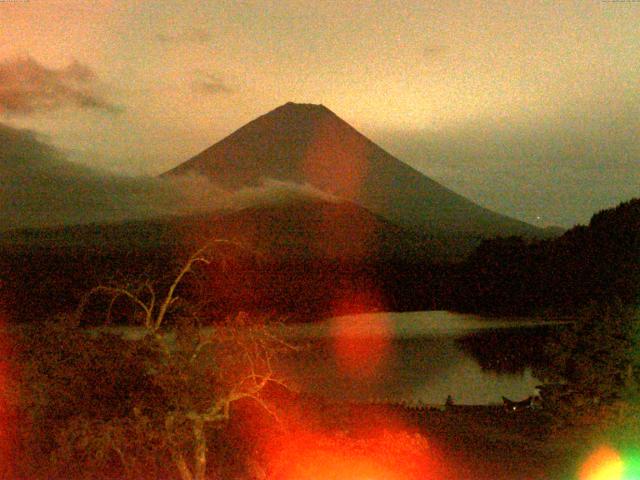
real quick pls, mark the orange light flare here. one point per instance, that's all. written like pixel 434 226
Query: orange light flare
pixel 344 231
pixel 362 344
pixel 604 463
pixel 383 455
pixel 336 160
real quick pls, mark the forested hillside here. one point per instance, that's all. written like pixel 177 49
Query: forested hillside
pixel 598 263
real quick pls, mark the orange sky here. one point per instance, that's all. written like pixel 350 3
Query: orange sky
pixel 439 84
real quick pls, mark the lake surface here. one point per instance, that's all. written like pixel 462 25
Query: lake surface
pixel 412 357
pixel 417 357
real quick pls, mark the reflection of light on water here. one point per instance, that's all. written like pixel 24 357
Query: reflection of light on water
pixel 413 358
pixel 469 384
pixel 357 358
pixel 401 324
pixel 412 324
pixel 421 362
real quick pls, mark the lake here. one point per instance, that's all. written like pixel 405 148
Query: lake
pixel 417 357
pixel 412 357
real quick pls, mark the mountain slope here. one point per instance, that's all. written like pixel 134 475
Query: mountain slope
pixel 298 228
pixel 40 187
pixel 293 255
pixel 309 144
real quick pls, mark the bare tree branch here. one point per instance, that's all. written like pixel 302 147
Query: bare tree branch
pixel 241 355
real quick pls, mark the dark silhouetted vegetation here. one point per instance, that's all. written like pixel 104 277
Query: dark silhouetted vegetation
pixel 509 351
pixel 596 263
pixel 502 276
pixel 96 405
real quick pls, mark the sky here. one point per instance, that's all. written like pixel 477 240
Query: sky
pixel 529 108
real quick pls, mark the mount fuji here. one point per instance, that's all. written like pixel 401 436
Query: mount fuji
pixel 310 145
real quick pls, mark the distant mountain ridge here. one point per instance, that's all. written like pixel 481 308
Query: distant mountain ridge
pixel 309 144
pixel 300 228
pixel 293 256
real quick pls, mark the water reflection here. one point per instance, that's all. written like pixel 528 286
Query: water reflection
pixel 473 363
pixel 507 351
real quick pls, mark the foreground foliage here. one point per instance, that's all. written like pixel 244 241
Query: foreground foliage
pixel 97 405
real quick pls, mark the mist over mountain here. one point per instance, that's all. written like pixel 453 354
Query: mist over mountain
pixel 296 152
pixel 309 144
pixel 319 209
pixel 40 187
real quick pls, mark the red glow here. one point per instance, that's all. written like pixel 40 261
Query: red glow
pixel 386 455
pixel 362 344
pixel 7 417
pixel 603 464
pixel 345 231
pixel 336 160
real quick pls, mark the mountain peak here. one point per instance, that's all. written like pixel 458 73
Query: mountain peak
pixel 308 144
pixel 303 106
pixel 292 109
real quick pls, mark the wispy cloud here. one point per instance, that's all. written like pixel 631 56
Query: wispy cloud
pixel 27 87
pixel 200 36
pixel 40 187
pixel 435 50
pixel 211 84
pixel 273 191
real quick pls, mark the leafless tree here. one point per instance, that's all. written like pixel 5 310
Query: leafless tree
pixel 200 372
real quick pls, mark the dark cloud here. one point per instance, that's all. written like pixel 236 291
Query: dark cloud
pixel 40 187
pixel 211 84
pixel 27 86
pixel 198 36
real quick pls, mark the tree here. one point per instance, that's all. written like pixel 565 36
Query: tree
pixel 76 398
pixel 182 380
pixel 595 360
